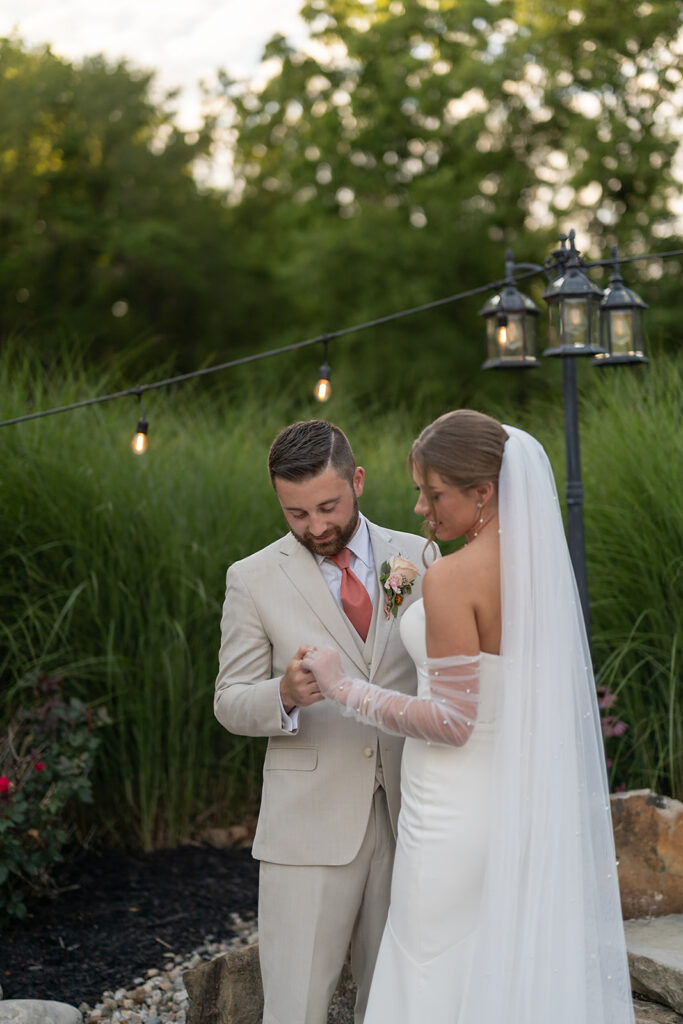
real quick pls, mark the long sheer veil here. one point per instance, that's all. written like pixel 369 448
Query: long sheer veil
pixel 550 947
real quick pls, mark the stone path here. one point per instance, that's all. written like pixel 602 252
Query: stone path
pixel 655 954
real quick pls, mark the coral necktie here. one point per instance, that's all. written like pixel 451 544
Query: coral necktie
pixel 354 597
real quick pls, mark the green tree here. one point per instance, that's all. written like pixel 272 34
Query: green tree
pixel 393 161
pixel 106 235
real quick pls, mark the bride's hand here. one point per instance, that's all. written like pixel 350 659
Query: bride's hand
pixel 326 666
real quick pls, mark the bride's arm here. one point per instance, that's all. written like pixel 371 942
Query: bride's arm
pixel 447 712
pixel 446 716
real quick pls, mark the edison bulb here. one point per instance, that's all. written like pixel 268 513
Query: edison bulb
pixel 139 444
pixel 323 389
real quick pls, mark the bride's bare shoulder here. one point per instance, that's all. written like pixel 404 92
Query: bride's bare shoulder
pixel 461 569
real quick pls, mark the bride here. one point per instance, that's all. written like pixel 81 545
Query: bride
pixel 504 901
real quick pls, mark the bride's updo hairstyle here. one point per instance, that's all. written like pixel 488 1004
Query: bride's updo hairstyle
pixel 464 447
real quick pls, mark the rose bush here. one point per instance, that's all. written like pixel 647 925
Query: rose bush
pixel 46 758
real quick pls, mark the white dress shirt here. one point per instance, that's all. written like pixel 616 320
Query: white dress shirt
pixel 363 565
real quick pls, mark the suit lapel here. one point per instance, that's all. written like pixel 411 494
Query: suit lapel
pixel 301 568
pixel 382 550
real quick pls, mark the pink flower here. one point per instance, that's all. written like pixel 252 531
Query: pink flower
pixel 405 569
pixel 394 582
pixel 605 698
pixel 40 766
pixel 5 784
pixel 612 726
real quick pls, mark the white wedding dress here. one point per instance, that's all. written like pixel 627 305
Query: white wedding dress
pixel 505 899
pixel 422 966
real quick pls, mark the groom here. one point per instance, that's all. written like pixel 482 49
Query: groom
pixel 325 834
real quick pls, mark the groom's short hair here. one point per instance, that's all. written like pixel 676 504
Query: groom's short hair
pixel 308 448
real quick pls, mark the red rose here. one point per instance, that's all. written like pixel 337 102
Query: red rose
pixel 40 766
pixel 4 784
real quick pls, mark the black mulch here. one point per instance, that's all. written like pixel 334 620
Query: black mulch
pixel 118 914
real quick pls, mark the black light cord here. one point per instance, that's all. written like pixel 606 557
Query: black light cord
pixel 321 338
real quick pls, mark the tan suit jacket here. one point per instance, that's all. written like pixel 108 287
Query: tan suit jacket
pixel 318 781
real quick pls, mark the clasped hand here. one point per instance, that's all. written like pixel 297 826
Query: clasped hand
pixel 325 664
pixel 298 686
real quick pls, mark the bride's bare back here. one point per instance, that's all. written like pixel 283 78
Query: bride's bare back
pixel 461 595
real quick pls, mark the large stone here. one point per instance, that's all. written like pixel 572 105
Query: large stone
pixel 38 1011
pixel 228 990
pixel 655 958
pixel 655 1013
pixel 648 833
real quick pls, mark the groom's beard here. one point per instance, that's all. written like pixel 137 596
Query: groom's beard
pixel 341 535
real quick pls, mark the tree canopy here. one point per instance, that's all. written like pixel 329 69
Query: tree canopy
pixel 387 163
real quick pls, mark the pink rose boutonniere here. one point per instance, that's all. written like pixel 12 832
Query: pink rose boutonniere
pixel 397 577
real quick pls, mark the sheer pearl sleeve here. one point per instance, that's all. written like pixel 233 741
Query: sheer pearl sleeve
pixel 446 712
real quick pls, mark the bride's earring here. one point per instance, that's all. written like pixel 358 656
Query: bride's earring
pixel 480 521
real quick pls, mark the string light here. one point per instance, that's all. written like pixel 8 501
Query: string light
pixel 323 388
pixel 527 271
pixel 139 443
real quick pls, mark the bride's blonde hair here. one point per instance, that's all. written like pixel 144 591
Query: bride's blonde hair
pixel 464 447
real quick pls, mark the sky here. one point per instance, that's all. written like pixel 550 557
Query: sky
pixel 183 40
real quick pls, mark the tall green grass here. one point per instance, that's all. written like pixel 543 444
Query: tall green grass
pixel 112 569
pixel 113 574
pixel 633 469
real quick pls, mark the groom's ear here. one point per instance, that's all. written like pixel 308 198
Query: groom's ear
pixel 358 481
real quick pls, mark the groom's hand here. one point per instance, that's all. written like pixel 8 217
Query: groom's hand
pixel 298 687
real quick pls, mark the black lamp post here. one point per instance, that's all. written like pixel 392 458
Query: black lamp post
pixel 582 321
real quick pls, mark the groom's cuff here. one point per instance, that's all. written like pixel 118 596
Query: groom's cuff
pixel 290 722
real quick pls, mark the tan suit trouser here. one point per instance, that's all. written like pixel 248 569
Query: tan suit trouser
pixel 308 917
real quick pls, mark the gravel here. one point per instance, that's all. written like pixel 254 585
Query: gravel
pixel 160 995
pixel 124 926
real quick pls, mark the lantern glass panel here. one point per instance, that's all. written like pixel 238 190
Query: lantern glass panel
pixel 530 351
pixel 575 322
pixel 492 337
pixel 514 341
pixel 621 331
pixel 554 336
pixel 639 331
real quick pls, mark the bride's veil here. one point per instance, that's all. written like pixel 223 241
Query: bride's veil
pixel 550 945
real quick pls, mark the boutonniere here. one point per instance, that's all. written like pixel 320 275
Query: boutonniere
pixel 397 578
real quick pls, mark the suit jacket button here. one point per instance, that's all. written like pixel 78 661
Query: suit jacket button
pixel 368 752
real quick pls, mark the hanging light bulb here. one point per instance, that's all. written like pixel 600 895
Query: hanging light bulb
pixel 323 388
pixel 139 443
